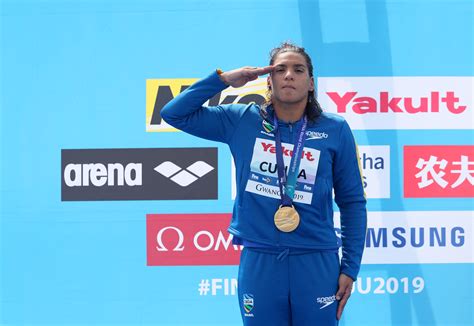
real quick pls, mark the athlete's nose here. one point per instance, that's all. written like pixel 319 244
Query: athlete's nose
pixel 289 75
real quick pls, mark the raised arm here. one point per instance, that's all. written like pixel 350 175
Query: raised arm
pixel 187 113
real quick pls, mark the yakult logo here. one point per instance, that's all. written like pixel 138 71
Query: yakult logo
pixel 192 239
pixel 386 102
pixel 400 102
pixel 270 147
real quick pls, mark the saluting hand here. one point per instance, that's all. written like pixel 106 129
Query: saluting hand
pixel 241 76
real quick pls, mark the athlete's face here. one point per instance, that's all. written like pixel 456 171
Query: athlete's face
pixel 290 81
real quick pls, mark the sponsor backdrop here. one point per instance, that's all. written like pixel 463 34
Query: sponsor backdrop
pixel 110 216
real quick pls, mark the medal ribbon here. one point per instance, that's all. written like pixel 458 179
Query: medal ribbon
pixel 287 185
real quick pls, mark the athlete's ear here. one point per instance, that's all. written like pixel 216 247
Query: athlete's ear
pixel 269 82
pixel 311 84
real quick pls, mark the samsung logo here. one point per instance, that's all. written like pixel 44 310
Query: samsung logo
pixel 415 237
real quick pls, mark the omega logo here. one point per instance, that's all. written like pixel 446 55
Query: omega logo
pixel 203 240
pixel 159 239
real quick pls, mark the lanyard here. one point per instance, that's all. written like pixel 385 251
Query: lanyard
pixel 287 185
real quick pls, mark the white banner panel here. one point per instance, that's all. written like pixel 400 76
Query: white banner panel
pixel 418 237
pixel 375 162
pixel 400 102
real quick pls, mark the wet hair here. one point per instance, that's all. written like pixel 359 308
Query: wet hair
pixel 313 109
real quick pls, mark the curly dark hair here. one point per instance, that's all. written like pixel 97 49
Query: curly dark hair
pixel 313 109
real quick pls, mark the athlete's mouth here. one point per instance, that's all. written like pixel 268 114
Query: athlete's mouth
pixel 288 86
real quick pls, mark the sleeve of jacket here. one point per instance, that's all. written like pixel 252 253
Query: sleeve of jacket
pixel 350 197
pixel 187 113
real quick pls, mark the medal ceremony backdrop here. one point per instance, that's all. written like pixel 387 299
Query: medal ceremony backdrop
pixel 111 217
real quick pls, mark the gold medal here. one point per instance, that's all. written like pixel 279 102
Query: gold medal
pixel 286 218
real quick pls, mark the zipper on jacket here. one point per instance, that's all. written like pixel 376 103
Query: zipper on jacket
pixel 291 132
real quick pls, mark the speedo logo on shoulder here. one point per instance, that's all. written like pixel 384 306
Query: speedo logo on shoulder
pixel 268 129
pixel 316 135
pixel 161 91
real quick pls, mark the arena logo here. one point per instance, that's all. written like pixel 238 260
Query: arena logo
pixel 161 91
pixel 400 102
pixel 78 175
pixel 190 239
pixel 184 177
pixel 438 171
pixel 139 174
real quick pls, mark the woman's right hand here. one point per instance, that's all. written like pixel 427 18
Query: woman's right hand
pixel 241 76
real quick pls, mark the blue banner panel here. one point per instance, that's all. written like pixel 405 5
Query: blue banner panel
pixel 88 168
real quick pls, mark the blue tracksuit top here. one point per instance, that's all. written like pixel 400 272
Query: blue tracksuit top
pixel 329 160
